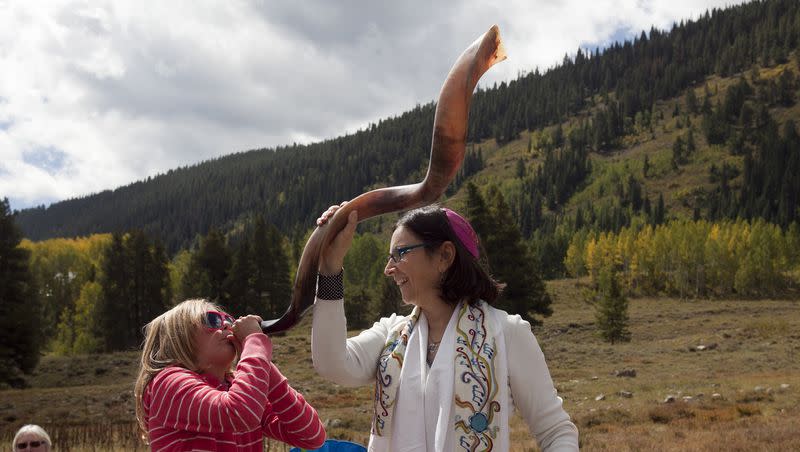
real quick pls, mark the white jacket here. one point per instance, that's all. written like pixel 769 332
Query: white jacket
pixel 352 362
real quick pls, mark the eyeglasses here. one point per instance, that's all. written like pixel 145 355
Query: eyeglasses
pixel 31 443
pixel 216 320
pixel 398 253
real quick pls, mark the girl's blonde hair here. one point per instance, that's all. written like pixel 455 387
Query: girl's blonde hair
pixel 169 340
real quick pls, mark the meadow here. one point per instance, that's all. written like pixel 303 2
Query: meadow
pixel 709 375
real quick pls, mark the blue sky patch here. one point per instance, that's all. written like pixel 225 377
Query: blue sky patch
pixel 17 203
pixel 619 35
pixel 49 159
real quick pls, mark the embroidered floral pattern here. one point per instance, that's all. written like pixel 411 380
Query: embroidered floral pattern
pixel 390 362
pixel 476 387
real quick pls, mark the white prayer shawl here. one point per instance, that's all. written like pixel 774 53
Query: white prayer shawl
pixel 424 415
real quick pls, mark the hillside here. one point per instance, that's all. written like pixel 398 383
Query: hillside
pixel 621 100
pixel 684 189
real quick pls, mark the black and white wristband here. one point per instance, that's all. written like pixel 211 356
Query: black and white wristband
pixel 330 287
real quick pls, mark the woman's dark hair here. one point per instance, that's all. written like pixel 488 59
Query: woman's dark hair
pixel 467 278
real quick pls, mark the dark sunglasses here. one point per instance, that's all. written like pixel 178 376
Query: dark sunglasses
pixel 31 443
pixel 217 320
pixel 400 251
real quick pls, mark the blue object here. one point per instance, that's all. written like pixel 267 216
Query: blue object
pixel 335 445
pixel 478 422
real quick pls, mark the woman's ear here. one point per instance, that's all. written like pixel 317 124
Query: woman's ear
pixel 447 254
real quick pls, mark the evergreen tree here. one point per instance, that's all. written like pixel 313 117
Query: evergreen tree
pixel 706 108
pixel 660 211
pixel 19 306
pixel 520 170
pixel 714 126
pixel 477 211
pixel 209 268
pixel 634 193
pixel 558 136
pixel 510 259
pixel 158 292
pixel 261 267
pixel 134 289
pixel 788 210
pixel 678 151
pixel 240 288
pixel 149 291
pixel 691 101
pixel 612 309
pixel 786 91
pixel 116 324
pixel 690 144
pixel 279 285
pixel 735 99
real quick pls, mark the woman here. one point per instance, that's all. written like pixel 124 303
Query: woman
pixel 444 375
pixel 189 398
pixel 31 438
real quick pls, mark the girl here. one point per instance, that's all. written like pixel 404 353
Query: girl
pixel 188 397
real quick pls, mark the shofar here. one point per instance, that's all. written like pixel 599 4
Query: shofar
pixel 447 153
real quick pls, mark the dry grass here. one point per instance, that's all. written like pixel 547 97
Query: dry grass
pixel 86 401
pixel 755 347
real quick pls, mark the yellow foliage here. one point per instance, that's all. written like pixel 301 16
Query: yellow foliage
pixel 693 258
pixel 62 269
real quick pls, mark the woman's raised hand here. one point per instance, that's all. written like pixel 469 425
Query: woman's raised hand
pixel 332 259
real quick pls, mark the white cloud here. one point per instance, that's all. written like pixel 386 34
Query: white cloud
pixel 117 91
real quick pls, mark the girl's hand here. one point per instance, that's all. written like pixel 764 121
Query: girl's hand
pixel 245 326
pixel 330 263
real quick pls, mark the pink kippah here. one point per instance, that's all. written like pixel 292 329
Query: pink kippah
pixel 463 231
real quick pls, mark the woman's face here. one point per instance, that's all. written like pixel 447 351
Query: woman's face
pixel 26 439
pixel 417 274
pixel 215 348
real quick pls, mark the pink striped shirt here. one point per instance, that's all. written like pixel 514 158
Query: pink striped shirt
pixel 185 410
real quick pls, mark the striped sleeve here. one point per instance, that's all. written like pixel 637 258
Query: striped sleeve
pixel 292 420
pixel 182 400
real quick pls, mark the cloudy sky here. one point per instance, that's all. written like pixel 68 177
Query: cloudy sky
pixel 94 95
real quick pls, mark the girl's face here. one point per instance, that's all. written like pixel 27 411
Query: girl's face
pixel 216 348
pixel 417 273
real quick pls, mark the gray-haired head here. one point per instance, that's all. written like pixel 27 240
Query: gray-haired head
pixel 34 430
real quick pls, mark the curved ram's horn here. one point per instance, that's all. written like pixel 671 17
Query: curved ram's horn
pixel 447 153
